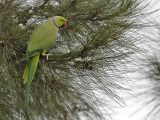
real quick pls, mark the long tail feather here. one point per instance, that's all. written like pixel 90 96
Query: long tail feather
pixel 28 76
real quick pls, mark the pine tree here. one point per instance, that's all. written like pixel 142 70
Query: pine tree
pixel 88 58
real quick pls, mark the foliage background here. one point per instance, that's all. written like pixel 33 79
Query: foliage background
pixel 86 70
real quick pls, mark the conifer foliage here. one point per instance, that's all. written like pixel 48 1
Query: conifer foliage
pixel 87 59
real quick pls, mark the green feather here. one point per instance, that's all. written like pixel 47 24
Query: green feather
pixel 29 72
pixel 41 39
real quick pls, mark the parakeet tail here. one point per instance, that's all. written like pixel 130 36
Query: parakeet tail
pixel 28 76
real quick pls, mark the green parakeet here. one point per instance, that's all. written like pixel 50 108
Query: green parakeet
pixel 41 39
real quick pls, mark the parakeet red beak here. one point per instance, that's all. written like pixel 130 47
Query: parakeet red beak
pixel 65 24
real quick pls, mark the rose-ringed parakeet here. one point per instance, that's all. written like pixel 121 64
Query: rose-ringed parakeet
pixel 41 39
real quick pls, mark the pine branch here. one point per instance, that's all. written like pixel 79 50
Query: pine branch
pixel 86 58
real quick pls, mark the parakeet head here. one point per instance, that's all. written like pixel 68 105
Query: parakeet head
pixel 60 21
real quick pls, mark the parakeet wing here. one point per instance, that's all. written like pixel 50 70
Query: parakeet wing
pixel 43 37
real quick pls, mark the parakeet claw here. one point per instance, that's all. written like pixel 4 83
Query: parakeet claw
pixel 44 54
pixel 47 56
